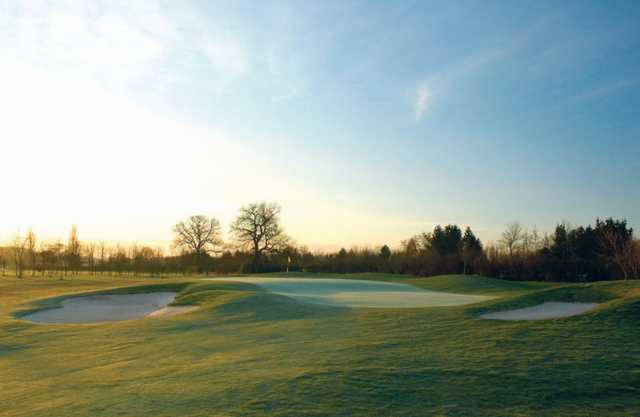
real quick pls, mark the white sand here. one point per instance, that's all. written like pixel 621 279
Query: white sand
pixel 358 293
pixel 172 311
pixel 544 311
pixel 104 307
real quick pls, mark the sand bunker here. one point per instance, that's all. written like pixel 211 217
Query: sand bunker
pixel 107 307
pixel 358 293
pixel 544 311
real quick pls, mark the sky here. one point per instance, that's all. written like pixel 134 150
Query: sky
pixel 367 121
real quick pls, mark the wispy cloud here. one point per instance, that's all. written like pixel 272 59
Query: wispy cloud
pixel 118 43
pixel 225 54
pixel 284 97
pixel 423 97
pixel 441 82
pixel 286 72
pixel 114 46
pixel 607 89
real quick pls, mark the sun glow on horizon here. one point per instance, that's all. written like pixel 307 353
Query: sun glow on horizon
pixel 124 118
pixel 125 172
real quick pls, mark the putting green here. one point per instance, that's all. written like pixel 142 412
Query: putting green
pixel 358 293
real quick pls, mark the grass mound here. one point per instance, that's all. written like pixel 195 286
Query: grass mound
pixel 472 284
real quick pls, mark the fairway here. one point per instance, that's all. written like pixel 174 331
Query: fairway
pixel 358 293
pixel 251 352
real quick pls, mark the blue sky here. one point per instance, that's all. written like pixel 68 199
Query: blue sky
pixel 368 121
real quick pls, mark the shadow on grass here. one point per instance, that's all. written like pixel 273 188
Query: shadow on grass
pixel 264 306
pixel 7 349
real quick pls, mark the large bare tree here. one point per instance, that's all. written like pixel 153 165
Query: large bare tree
pixel 512 236
pixel 258 228
pixel 198 235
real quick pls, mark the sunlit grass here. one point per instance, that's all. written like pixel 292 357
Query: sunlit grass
pixel 249 352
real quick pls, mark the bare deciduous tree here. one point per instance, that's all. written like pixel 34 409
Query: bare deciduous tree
pixel 74 259
pixel 18 248
pixel 526 242
pixel 90 252
pixel 410 246
pixel 198 235
pixel 45 257
pixel 30 244
pixel 619 249
pixel 511 237
pixel 635 259
pixel 535 239
pixel 546 241
pixel 102 248
pixel 257 227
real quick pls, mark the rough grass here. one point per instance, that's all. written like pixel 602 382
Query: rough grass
pixel 251 353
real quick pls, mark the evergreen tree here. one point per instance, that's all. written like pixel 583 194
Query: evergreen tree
pixel 471 248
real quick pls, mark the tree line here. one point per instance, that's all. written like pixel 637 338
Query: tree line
pixel 258 240
pixel 605 250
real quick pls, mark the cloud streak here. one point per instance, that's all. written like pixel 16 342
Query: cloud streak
pixel 607 90
pixel 423 97
pixel 443 80
pixel 225 55
pixel 440 82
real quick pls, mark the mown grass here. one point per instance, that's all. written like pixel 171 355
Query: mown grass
pixel 248 352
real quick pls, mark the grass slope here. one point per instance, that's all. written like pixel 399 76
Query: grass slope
pixel 249 352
